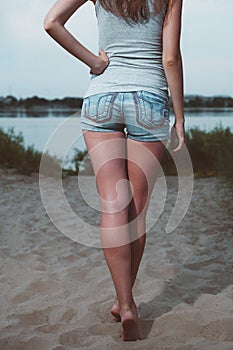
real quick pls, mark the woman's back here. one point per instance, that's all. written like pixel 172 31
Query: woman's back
pixel 135 54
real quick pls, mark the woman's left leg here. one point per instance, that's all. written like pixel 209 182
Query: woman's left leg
pixel 108 155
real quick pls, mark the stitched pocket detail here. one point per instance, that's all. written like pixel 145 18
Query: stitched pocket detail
pixel 153 111
pixel 98 107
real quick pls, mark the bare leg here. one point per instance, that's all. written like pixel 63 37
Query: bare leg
pixel 108 155
pixel 141 193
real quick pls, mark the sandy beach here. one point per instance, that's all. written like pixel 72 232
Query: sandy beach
pixel 56 294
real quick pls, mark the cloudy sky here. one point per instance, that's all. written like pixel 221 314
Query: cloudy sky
pixel 34 64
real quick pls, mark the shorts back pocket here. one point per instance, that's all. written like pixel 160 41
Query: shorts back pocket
pixel 98 107
pixel 153 111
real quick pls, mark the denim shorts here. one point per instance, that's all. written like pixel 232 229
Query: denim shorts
pixel 142 115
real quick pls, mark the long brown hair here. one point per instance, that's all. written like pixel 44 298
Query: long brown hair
pixel 134 10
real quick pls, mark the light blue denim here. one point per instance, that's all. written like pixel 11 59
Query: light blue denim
pixel 142 115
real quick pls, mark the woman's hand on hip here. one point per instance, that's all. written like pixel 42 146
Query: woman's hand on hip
pixel 100 64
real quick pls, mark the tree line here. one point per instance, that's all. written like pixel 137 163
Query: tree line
pixel 190 101
pixel 11 102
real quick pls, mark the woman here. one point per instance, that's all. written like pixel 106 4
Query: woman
pixel 125 122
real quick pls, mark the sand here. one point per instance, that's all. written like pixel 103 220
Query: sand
pixel 56 294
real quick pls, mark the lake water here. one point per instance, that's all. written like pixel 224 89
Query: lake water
pixel 60 132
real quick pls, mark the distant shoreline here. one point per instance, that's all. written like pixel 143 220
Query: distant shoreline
pixel 35 104
pixel 198 109
pixel 67 110
pixel 39 109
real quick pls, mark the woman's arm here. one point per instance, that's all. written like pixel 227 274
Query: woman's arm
pixel 54 24
pixel 172 63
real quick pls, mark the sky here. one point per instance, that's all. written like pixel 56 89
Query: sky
pixel 32 63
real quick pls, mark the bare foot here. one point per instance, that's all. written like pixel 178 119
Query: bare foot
pixel 130 326
pixel 115 311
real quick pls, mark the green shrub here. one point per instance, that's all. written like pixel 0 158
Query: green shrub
pixel 210 153
pixel 82 162
pixel 13 154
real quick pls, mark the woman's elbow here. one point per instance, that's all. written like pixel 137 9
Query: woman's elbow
pixel 171 61
pixel 49 24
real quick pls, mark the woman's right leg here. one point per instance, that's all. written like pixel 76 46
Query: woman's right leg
pixel 140 175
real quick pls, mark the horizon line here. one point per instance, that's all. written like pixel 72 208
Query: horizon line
pixel 82 97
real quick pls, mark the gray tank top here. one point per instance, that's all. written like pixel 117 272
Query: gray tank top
pixel 134 52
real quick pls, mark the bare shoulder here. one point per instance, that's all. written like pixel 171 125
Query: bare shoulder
pixel 174 11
